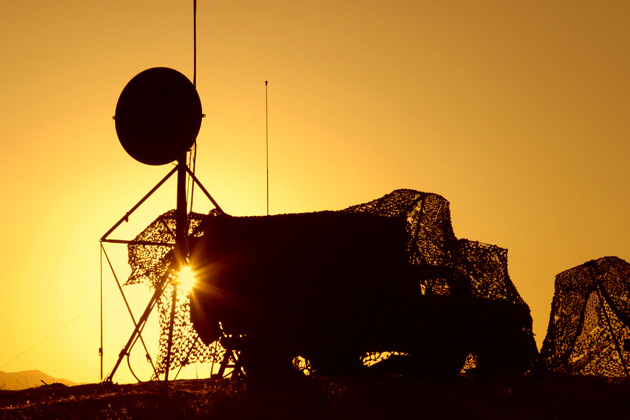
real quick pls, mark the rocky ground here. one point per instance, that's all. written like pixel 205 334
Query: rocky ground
pixel 322 398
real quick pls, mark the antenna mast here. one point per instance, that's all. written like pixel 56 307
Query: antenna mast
pixel 195 43
pixel 267 142
pixel 158 143
pixel 193 151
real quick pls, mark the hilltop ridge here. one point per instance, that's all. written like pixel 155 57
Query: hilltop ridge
pixel 12 381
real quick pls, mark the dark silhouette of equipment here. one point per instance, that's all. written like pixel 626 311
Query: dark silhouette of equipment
pixel 589 325
pixel 158 117
pixel 333 287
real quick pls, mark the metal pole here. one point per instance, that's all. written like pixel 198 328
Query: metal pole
pixel 100 350
pixel 138 204
pixel 181 251
pixel 203 189
pixel 133 319
pixel 159 288
pixel 181 246
pixel 195 43
pixel 170 332
pixel 267 142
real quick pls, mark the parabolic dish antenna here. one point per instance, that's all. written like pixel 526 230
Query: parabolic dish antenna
pixel 158 116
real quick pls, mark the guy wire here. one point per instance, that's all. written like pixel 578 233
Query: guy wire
pixel 48 336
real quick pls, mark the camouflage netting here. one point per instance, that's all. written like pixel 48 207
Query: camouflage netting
pixel 455 266
pixel 590 320
pixel 149 264
pixel 478 269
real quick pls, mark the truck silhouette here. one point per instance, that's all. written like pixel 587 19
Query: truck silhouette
pixel 335 286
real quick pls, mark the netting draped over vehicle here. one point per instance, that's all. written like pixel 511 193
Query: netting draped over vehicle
pixel 590 320
pixel 151 252
pixel 150 257
pixel 475 268
pixel 450 266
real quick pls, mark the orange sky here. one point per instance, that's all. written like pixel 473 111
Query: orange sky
pixel 517 112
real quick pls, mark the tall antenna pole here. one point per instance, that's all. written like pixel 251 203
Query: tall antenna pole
pixel 267 142
pixel 181 213
pixel 100 350
pixel 181 247
pixel 195 43
pixel 193 150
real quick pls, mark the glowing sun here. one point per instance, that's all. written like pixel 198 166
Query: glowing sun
pixel 186 278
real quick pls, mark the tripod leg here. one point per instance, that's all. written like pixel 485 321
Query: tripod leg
pixel 141 322
pixel 170 333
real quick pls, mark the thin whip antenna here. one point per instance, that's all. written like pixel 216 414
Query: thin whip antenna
pixel 193 154
pixel 100 349
pixel 267 142
pixel 195 43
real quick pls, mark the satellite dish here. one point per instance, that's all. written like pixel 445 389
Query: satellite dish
pixel 158 116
